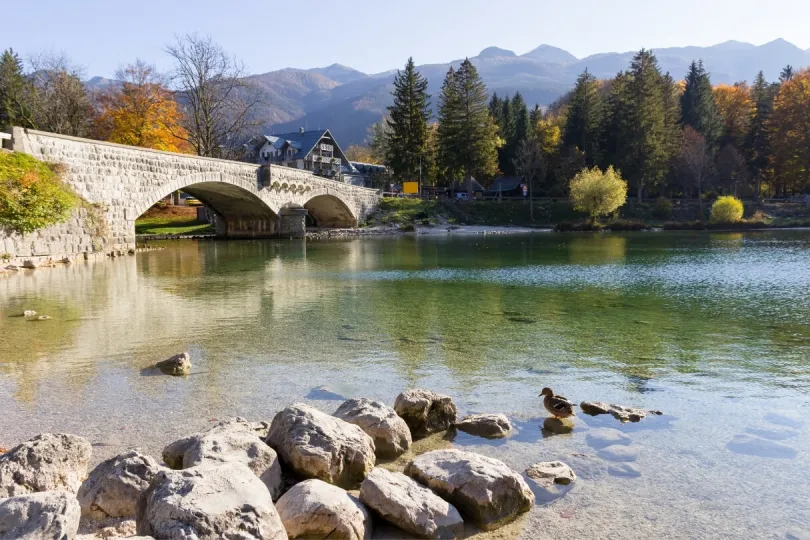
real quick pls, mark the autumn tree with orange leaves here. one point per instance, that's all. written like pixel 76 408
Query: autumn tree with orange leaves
pixel 736 110
pixel 789 130
pixel 140 111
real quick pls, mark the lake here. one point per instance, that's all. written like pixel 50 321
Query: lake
pixel 711 329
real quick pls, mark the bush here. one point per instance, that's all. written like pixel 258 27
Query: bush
pixel 663 208
pixel 626 225
pixel 32 194
pixel 598 193
pixel 727 209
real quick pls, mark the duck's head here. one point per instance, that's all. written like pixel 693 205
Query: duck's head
pixel 547 392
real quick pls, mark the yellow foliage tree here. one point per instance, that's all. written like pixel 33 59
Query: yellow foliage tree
pixel 141 111
pixel 549 135
pixel 789 129
pixel 737 110
pixel 598 193
pixel 727 209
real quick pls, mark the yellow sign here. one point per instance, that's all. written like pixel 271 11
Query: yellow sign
pixel 410 187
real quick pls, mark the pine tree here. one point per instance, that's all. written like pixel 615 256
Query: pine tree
pixel 672 115
pixel 496 108
pixel 521 113
pixel 468 135
pixel 584 124
pixel 408 124
pixel 698 108
pixel 15 92
pixel 637 124
pixel 506 129
pixel 535 115
pixel 758 145
pixel 786 74
pixel 448 130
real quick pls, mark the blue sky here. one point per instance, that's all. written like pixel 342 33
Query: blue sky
pixel 374 36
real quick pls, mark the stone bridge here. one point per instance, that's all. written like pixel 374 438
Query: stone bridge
pixel 248 201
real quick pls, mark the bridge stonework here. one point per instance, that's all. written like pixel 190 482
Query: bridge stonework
pixel 125 181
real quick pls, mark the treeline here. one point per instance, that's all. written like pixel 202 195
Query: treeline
pixel 668 137
pixel 203 105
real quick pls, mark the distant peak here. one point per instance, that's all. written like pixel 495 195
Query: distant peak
pixel 495 52
pixel 551 54
pixel 780 43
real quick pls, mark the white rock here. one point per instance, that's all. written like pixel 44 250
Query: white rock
pixel 743 443
pixel 113 487
pixel 208 503
pixel 483 489
pixel 391 434
pixel 548 473
pixel 40 516
pixel 315 509
pixel 491 426
pixel 237 441
pixel 316 445
pixel 410 506
pixel 425 412
pixel 47 462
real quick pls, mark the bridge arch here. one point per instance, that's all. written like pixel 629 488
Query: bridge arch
pixel 239 208
pixel 328 209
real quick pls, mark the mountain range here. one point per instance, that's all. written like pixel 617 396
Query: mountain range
pixel 348 101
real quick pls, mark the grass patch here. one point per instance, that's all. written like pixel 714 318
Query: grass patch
pixel 165 219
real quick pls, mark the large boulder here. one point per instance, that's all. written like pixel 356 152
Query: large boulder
pixel 207 503
pixel 391 434
pixel 234 440
pixel 483 489
pixel 113 487
pixel 490 426
pixel 47 462
pixel 40 516
pixel 314 509
pixel 410 506
pixel 316 445
pixel 425 412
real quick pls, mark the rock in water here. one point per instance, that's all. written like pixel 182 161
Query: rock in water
pixel 391 434
pixel 177 365
pixel 425 412
pixel 316 445
pixel 491 426
pixel 29 313
pixel 548 473
pixel 410 506
pixel 315 509
pixel 234 440
pixel 40 516
pixel 208 503
pixel 113 487
pixel 47 462
pixel 550 479
pixel 601 437
pixel 483 489
pixel 560 426
pixel 619 412
pixel 743 443
pixel 618 452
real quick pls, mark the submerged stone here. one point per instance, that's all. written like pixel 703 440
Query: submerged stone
pixel 751 445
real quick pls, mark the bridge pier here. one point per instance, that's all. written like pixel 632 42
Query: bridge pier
pixel 293 222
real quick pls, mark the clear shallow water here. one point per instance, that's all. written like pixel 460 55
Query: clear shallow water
pixel 713 329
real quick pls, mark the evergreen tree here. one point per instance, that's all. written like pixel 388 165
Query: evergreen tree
pixel 638 123
pixel 535 115
pixel 468 135
pixel 672 116
pixel 15 92
pixel 584 124
pixel 506 129
pixel 496 108
pixel 758 145
pixel 698 108
pixel 521 113
pixel 448 140
pixel 408 124
pixel 786 74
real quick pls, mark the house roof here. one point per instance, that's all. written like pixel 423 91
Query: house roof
pixel 304 142
pixel 506 183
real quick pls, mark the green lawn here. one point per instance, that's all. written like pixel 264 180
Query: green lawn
pixel 171 225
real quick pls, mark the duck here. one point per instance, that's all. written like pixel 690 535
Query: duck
pixel 557 405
